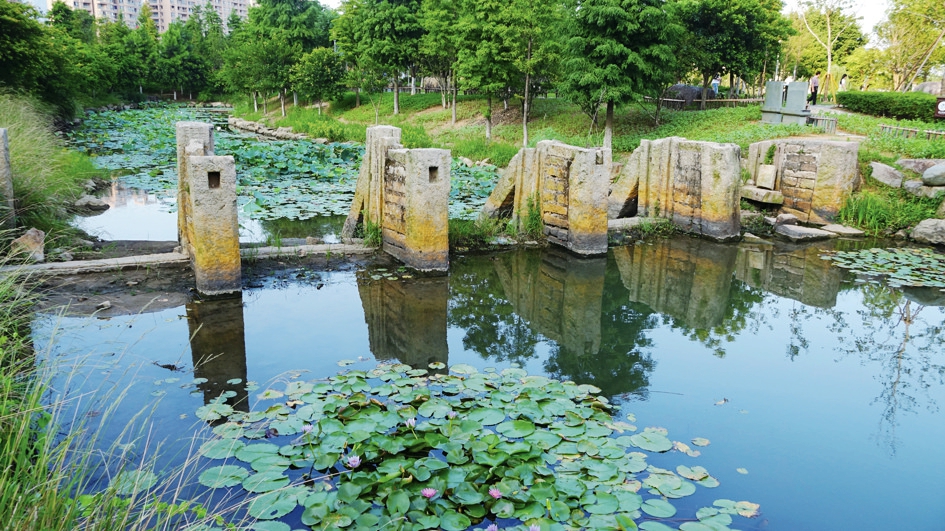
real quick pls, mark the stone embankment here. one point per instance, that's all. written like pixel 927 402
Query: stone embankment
pixel 281 133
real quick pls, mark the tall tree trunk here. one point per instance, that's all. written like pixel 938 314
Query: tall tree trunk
pixel 443 89
pixel 255 102
pixel 175 94
pixel 265 98
pixel 705 90
pixel 282 101
pixel 609 126
pixel 731 84
pixel 319 107
pixel 396 95
pixel 295 99
pixel 528 58
pixel 453 89
pixel 489 117
pixel 413 81
pixel 357 96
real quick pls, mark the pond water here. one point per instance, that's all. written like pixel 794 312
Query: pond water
pixel 286 189
pixel 820 392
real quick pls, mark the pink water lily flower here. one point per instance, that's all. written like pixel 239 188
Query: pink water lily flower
pixel 428 493
pixel 534 527
pixel 492 527
pixel 411 423
pixel 354 461
pixel 495 493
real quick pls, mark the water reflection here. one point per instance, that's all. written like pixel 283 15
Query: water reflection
pixel 406 320
pixel 796 273
pixel 218 349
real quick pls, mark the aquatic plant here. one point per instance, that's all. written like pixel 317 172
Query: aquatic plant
pixel 451 451
pixel 903 267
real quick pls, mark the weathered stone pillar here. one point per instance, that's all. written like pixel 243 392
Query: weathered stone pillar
pixel 573 184
pixel 367 205
pixel 416 193
pixel 218 349
pixel 7 205
pixel 186 133
pixel 207 201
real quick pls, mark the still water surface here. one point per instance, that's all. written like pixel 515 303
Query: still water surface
pixel 825 389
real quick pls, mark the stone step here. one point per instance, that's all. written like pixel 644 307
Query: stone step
pixel 797 233
pixel 843 230
pixel 762 195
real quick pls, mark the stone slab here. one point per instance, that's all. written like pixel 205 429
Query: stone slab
pixel 843 230
pixel 918 165
pixel 934 176
pixel 798 233
pixel 767 176
pixel 614 225
pixel 887 174
pixel 918 189
pixel 762 195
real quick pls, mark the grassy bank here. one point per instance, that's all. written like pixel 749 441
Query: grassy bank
pixel 47 178
pixel 425 123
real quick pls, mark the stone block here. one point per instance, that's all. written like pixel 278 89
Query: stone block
pixel 767 176
pixel 918 189
pixel 7 212
pixel 842 230
pixel 761 195
pixel 30 246
pixel 836 180
pixel 930 231
pixel 757 156
pixel 886 174
pixel 368 205
pixel 934 176
pixel 796 100
pixel 919 165
pixel 586 174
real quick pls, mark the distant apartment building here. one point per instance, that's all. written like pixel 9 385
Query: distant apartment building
pixel 163 12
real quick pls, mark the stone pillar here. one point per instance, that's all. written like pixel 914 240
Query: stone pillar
pixel 367 205
pixel 208 211
pixel 774 98
pixel 572 187
pixel 415 220
pixel 186 133
pixel 218 349
pixel 7 206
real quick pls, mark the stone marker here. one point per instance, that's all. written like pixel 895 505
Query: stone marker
pixel 29 245
pixel 7 212
pixel 207 201
pixel 795 108
pixel 930 231
pixel 934 176
pixel 797 233
pixel 774 99
pixel 886 174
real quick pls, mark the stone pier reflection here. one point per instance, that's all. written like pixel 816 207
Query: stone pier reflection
pixel 406 320
pixel 686 278
pixel 559 295
pixel 798 273
pixel 218 347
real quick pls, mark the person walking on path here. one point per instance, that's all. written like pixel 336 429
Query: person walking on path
pixel 843 82
pixel 814 86
pixel 716 81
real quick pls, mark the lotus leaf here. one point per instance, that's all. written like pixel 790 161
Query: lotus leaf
pixel 220 448
pixel 651 441
pixel 223 476
pixel 265 481
pixel 658 508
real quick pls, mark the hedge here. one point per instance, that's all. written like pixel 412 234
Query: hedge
pixel 902 106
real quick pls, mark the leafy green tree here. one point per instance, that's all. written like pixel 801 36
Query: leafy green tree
pixel 79 24
pixel 836 22
pixel 304 23
pixel 914 40
pixel 733 36
pixel 439 45
pixel 618 49
pixel 318 74
pixel 142 47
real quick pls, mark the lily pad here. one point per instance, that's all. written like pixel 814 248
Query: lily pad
pixel 223 476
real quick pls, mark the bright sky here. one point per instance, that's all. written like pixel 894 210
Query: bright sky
pixel 871 12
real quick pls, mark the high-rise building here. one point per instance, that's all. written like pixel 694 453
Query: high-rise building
pixel 163 12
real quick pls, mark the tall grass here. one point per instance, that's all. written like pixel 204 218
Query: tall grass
pixel 886 210
pixel 47 178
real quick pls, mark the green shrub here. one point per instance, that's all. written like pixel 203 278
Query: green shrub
pixel 886 210
pixel 902 106
pixel 473 234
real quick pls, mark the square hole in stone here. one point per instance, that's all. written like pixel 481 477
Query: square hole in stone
pixel 434 173
pixel 213 179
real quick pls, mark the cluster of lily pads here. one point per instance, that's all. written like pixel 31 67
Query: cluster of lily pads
pixel 921 267
pixel 411 449
pixel 277 179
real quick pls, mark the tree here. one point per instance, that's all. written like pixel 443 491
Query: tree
pixel 616 49
pixel 734 36
pixel 835 24
pixel 391 32
pixel 304 23
pixel 318 74
pixel 439 45
pixel 914 39
pixel 142 46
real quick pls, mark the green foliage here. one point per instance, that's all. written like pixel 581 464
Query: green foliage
pixel 47 178
pixel 372 234
pixel 887 148
pixel 886 210
pixel 416 450
pixel 318 75
pixel 769 155
pixel 899 105
pixel 473 233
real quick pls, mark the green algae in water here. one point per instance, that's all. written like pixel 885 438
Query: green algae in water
pixel 412 449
